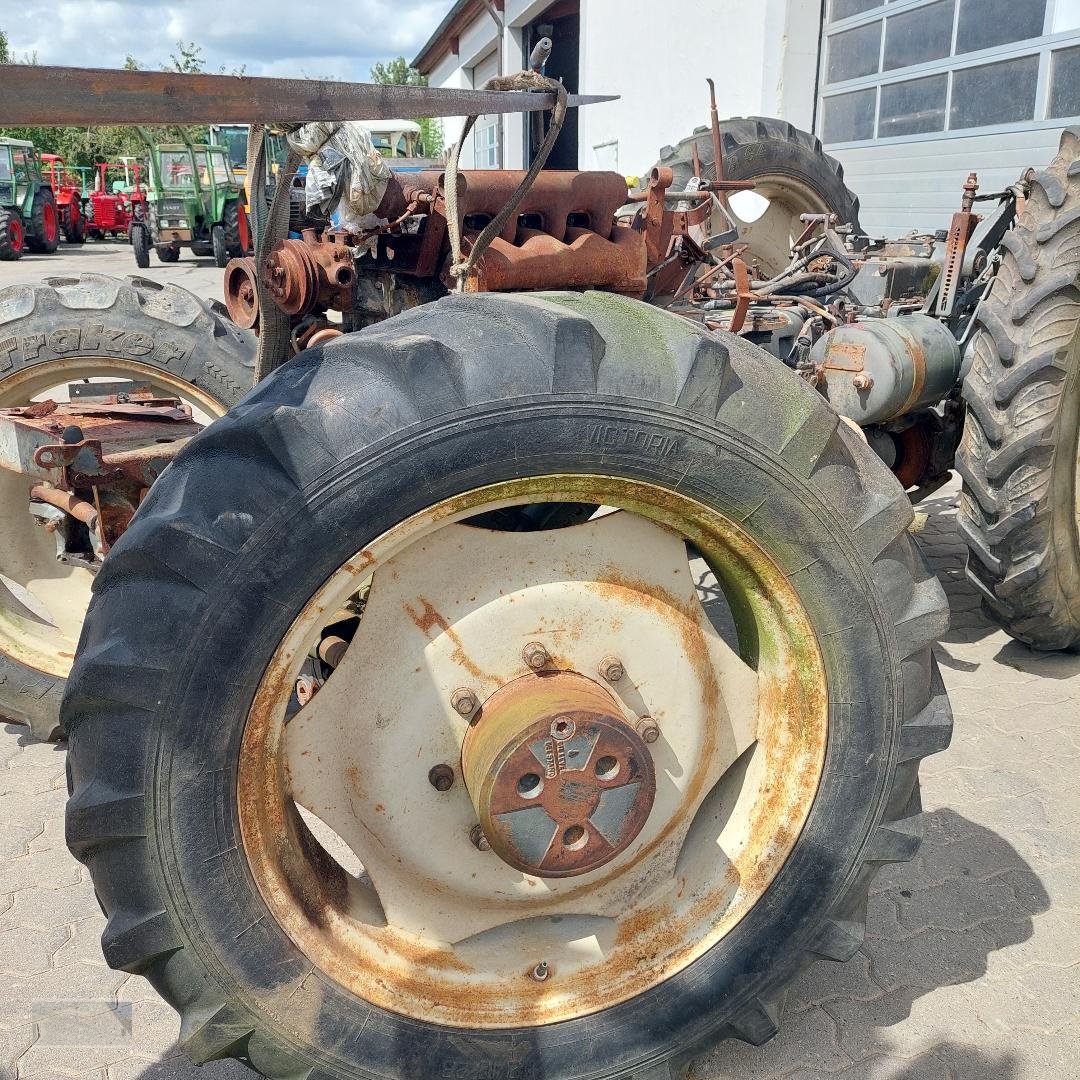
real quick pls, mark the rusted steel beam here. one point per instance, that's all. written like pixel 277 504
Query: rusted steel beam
pixel 61 96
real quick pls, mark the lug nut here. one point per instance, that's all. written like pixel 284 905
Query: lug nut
pixel 535 655
pixel 648 729
pixel 541 972
pixel 441 777
pixel 463 701
pixel 480 841
pixel 611 669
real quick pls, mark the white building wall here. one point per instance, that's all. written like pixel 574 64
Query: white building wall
pixel 762 54
pixel 474 47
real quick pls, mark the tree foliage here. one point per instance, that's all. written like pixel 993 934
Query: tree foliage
pixel 81 146
pixel 398 72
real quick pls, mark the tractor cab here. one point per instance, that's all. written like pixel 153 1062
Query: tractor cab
pixel 194 200
pixel 28 214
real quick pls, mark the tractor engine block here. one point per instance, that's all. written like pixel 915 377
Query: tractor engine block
pixel 563 235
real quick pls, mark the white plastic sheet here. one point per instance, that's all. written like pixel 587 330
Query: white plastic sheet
pixel 346 174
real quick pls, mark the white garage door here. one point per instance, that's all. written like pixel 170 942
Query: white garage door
pixel 917 93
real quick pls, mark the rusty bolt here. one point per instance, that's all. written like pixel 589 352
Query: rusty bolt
pixel 541 972
pixel 648 729
pixel 611 669
pixel 562 728
pixel 862 381
pixel 535 655
pixel 480 841
pixel 306 687
pixel 441 777
pixel 464 701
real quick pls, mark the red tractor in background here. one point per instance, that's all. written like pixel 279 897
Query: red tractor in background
pixel 110 213
pixel 67 184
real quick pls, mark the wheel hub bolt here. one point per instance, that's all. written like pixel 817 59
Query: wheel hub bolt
pixel 463 701
pixel 562 728
pixel 441 777
pixel 480 841
pixel 611 669
pixel 535 655
pixel 648 729
pixel 541 972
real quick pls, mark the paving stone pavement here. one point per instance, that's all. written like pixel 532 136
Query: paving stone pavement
pixel 970 969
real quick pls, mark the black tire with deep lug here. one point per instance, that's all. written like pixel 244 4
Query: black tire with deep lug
pixel 231 224
pixel 76 234
pixel 1018 457
pixel 337 446
pixel 12 235
pixel 43 228
pixel 756 146
pixel 219 247
pixel 136 320
pixel 140 245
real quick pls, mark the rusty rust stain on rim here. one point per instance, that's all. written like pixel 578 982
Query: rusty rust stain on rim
pixel 308 894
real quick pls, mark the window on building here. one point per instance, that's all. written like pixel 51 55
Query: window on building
pixel 982 24
pixel 916 37
pixel 849 117
pixel 1002 93
pixel 911 68
pixel 914 106
pixel 486 130
pixel 1065 83
pixel 854 52
pixel 843 9
pixel 486 143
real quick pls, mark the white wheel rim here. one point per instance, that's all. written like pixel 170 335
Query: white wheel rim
pixel 412 916
pixel 42 601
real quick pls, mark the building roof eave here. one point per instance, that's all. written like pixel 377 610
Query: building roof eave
pixel 460 15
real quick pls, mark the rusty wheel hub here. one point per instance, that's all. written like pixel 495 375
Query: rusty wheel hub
pixel 540 778
pixel 560 781
pixel 241 292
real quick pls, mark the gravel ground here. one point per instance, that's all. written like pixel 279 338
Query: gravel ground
pixel 971 965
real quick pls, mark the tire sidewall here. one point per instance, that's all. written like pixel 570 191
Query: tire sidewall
pixel 200 717
pixel 53 333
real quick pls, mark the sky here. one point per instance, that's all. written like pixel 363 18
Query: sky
pixel 270 37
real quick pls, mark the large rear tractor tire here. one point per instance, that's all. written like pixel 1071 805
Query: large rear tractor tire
pixel 1018 458
pixel 43 228
pixel 547 804
pixel 59 332
pixel 75 233
pixel 790 170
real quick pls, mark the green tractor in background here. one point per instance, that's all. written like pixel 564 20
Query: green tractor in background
pixel 193 200
pixel 28 217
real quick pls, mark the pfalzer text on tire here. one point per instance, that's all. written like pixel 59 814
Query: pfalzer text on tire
pixel 327 515
pixel 54 334
pixel 1018 458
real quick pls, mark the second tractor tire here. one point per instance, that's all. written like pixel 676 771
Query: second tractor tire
pixel 1018 457
pixel 128 329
